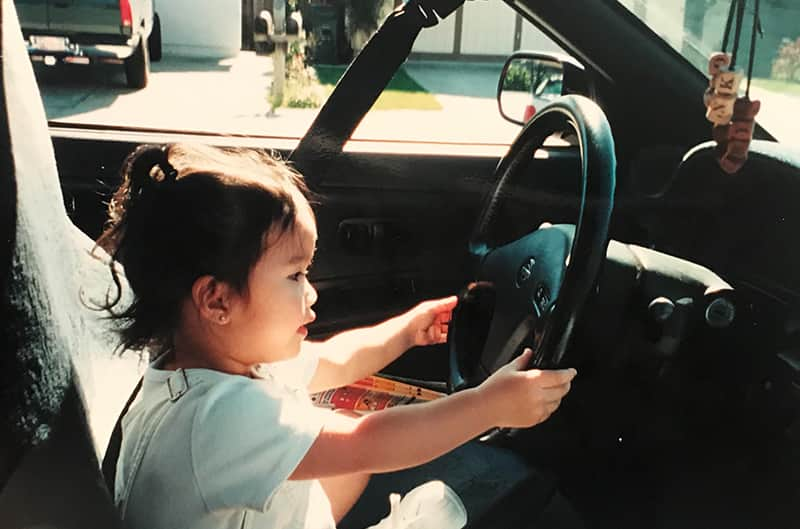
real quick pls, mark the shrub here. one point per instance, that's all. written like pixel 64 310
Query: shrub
pixel 526 75
pixel 786 66
pixel 518 78
pixel 302 88
pixel 305 92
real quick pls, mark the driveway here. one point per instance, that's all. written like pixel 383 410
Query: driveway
pixel 230 96
pixel 182 93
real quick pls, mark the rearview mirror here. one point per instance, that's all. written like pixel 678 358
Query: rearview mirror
pixel 529 81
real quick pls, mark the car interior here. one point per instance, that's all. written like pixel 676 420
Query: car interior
pixel 622 250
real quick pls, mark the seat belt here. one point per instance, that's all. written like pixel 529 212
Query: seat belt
pixel 115 443
pixel 362 83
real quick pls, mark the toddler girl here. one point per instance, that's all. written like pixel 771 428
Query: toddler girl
pixel 216 245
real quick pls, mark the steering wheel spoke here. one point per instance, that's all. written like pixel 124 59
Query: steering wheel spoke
pixel 526 275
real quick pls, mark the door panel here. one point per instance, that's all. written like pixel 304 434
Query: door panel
pixel 393 229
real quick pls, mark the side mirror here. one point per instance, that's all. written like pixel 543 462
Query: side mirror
pixel 530 80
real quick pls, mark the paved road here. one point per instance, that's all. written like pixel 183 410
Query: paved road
pixel 182 93
pixel 231 96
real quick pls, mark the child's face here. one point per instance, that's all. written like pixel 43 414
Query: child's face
pixel 268 322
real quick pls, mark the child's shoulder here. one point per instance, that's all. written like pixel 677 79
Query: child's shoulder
pixel 207 393
pixel 251 411
pixel 230 399
pixel 222 389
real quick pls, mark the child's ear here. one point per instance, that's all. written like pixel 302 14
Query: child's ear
pixel 212 299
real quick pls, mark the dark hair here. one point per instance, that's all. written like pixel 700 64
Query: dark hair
pixel 185 211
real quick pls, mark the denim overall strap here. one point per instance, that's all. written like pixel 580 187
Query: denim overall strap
pixel 115 443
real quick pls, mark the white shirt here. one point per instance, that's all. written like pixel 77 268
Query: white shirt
pixel 205 449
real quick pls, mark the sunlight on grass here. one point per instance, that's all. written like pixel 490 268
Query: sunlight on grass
pixel 402 93
pixel 773 85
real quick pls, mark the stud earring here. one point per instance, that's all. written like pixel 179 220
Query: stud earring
pixel 223 318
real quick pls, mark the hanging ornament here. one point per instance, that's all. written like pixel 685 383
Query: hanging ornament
pixel 718 62
pixel 733 117
pixel 723 88
pixel 739 134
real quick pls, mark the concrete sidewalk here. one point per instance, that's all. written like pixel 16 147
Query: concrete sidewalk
pixel 182 93
pixel 231 96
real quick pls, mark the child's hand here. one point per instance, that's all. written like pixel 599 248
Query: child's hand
pixel 519 399
pixel 428 321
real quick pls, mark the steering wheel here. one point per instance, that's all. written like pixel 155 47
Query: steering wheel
pixel 529 292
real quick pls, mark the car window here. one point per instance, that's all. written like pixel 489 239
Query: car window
pixel 695 29
pixel 221 80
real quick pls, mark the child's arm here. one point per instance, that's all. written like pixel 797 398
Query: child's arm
pixel 353 355
pixel 406 436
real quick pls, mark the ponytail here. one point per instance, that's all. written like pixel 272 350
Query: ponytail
pixel 143 172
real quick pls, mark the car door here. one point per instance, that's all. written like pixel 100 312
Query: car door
pixel 33 14
pixel 393 227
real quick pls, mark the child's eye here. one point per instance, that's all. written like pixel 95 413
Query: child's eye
pixel 298 275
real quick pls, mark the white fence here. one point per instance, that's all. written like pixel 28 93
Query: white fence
pixel 201 29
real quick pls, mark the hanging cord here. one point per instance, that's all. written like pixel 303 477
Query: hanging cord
pixel 740 5
pixel 759 30
pixel 728 25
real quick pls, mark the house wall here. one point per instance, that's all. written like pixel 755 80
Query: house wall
pixel 488 28
pixel 438 39
pixel 201 29
pixel 481 28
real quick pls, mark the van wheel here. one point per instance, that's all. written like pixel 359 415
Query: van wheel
pixel 137 66
pixel 154 42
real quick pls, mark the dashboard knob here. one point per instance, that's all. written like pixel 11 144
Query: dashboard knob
pixel 720 313
pixel 661 309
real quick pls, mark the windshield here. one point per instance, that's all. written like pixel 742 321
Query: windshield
pixel 695 29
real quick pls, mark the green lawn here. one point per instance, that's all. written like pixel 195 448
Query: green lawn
pixel 403 92
pixel 783 87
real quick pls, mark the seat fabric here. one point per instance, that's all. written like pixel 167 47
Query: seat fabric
pixel 56 351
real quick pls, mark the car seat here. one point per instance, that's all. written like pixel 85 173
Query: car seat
pixel 53 346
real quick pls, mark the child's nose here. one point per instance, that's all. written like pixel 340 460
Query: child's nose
pixel 311 293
